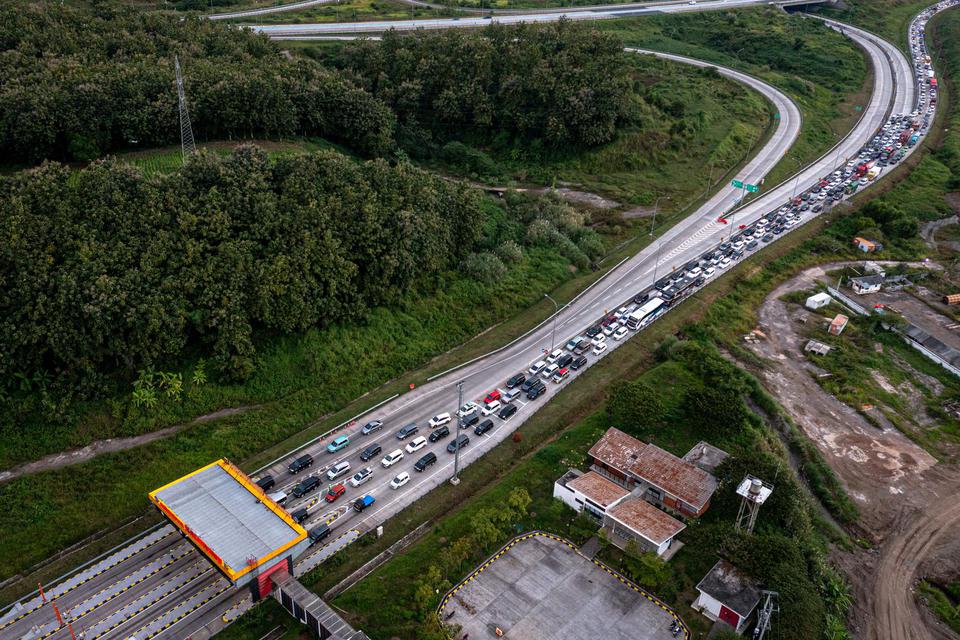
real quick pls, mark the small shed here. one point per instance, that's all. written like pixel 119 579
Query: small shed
pixel 866 284
pixel 820 349
pixel 727 595
pixel 867 246
pixel 951 298
pixel 818 300
pixel 838 324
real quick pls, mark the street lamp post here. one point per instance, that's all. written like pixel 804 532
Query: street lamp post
pixel 455 480
pixel 653 221
pixel 553 338
pixel 656 263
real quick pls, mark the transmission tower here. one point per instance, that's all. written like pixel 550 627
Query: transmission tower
pixel 187 146
pixel 769 608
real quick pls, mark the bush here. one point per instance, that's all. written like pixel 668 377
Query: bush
pixel 484 267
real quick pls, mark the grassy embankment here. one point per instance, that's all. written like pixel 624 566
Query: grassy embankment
pixel 303 385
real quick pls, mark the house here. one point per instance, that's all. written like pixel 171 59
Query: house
pixel 866 284
pixel 818 300
pixel 838 324
pixel 817 348
pixel 727 595
pixel 662 478
pixel 588 492
pixel 636 520
pixel 625 517
pixel 867 246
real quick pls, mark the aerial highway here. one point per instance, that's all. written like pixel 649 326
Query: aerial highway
pixel 157 586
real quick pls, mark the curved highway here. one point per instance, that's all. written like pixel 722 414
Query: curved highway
pixel 156 587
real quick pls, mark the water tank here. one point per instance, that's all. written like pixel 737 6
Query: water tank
pixel 755 487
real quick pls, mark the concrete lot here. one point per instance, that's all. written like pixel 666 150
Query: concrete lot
pixel 542 589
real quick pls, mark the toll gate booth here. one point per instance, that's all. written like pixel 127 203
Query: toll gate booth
pixel 248 537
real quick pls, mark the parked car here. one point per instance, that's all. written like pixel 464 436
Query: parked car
pixel 555 355
pixel 579 362
pixel 436 434
pixel 424 462
pixel 318 533
pixel 439 420
pixel 493 395
pixel 470 419
pixel 402 478
pixel 278 496
pixel 483 427
pixel 549 371
pixel 266 482
pixel 510 396
pixel 537 367
pixel 565 361
pixel 334 492
pixel 370 427
pixel 600 348
pixel 536 392
pixel 306 486
pixel 392 458
pixel 490 408
pixel 594 330
pixel 361 477
pixel 528 384
pixel 620 333
pixel 574 341
pixel 362 503
pixel 338 470
pixel 461 439
pixel 340 442
pixel 416 444
pixel 561 375
pixel 468 407
pixel 407 431
pixel 507 411
pixel 303 462
pixel 516 380
pixel 371 451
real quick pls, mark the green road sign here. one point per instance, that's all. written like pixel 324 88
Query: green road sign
pixel 752 188
pixel 737 184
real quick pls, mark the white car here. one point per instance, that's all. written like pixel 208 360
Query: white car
pixel 725 262
pixel 537 367
pixel 555 355
pixel 620 333
pixel 401 479
pixel 439 420
pixel 619 313
pixel 709 272
pixel 549 371
pixel 693 273
pixel 600 348
pixel 416 444
pixel 599 339
pixel 609 329
pixel 392 458
pixel 490 407
pixel 361 477
pixel 468 408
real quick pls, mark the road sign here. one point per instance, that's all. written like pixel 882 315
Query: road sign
pixel 737 184
pixel 752 188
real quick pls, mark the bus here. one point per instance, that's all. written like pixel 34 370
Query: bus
pixel 645 314
pixel 675 294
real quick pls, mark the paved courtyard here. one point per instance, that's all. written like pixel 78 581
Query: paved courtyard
pixel 542 590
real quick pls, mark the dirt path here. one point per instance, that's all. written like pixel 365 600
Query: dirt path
pixel 110 445
pixel 908 501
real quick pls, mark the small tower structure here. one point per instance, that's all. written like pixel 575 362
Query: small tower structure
pixel 753 493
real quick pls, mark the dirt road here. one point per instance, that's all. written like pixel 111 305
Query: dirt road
pixel 908 501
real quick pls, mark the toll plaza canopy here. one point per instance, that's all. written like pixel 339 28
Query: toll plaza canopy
pixel 228 518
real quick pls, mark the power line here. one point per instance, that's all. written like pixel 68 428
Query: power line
pixel 187 145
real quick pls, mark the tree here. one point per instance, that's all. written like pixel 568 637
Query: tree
pixel 635 407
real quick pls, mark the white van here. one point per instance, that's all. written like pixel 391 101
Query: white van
pixel 338 470
pixel 392 458
pixel 510 395
pixel 278 496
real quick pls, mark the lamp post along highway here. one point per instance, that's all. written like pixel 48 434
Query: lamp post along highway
pixel 455 480
pixel 556 310
pixel 653 221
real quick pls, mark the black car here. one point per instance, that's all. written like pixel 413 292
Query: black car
pixel 579 362
pixel 319 533
pixel 299 515
pixel 441 432
pixel 767 238
pixel 305 487
pixel 470 419
pixel 425 461
pixel 641 298
pixel 371 451
pixel 536 392
pixel 662 284
pixel 266 482
pixel 752 245
pixel 507 411
pixel 407 431
pixel 463 441
pixel 529 384
pixel 300 464
pixel 515 380
pixel 484 426
pixel 594 331
pixel 564 360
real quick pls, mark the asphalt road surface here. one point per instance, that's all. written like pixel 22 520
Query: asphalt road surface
pixel 157 587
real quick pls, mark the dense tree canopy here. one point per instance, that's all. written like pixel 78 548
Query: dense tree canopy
pixel 80 83
pixel 558 84
pixel 104 268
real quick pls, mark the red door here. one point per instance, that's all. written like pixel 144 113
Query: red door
pixel 732 618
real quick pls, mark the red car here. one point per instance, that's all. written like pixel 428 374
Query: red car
pixel 335 492
pixel 609 320
pixel 493 395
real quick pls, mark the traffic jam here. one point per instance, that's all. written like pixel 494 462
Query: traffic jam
pixel 392 456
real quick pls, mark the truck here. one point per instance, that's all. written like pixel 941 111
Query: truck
pixel 645 314
pixel 852 186
pixel 362 503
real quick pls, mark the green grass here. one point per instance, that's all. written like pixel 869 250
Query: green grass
pixel 349 11
pixel 945 601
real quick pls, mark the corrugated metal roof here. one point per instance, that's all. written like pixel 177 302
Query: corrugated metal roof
pixel 226 516
pixel 597 488
pixel 675 476
pixel 644 518
pixel 617 449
